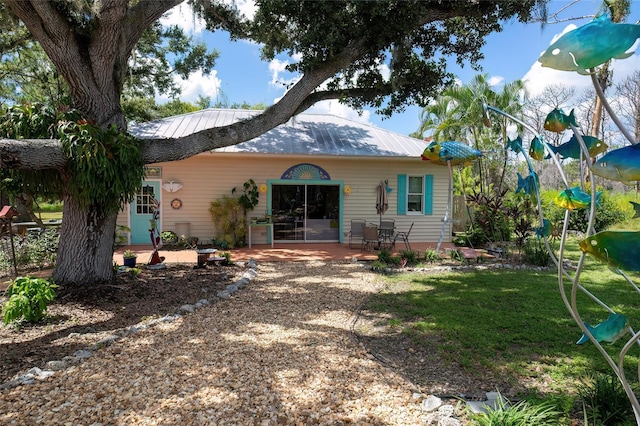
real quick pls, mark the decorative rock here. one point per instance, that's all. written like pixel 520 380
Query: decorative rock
pixel 40 374
pixel 202 302
pixel 242 282
pixel 232 288
pixel 432 403
pixel 223 294
pixel 187 309
pixel 82 353
pixel 55 365
pixel 107 341
pixel 72 360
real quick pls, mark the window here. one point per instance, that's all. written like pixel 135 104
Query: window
pixel 415 194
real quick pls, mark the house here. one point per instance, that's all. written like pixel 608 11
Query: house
pixel 315 173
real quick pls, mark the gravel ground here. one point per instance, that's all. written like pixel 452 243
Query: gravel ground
pixel 280 351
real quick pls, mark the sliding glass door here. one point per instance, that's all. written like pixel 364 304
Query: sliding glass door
pixel 306 212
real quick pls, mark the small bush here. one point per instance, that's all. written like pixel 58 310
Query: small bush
pixel 456 254
pixel 432 256
pixel 536 253
pixel 384 256
pixel 520 414
pixel 28 299
pixel 605 401
pixel 410 256
pixel 378 266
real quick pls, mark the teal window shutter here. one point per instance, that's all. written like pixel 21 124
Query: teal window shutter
pixel 428 194
pixel 402 194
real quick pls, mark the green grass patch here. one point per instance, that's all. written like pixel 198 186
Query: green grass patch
pixel 512 322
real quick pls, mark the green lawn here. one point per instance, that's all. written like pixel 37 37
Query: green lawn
pixel 511 322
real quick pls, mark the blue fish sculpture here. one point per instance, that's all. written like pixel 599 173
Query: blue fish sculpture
pixel 544 230
pixel 591 45
pixel 571 149
pixel 617 249
pixel 455 152
pixel 536 148
pixel 574 198
pixel 557 121
pixel 622 164
pixel 514 145
pixel 610 330
pixel 636 209
pixel 529 184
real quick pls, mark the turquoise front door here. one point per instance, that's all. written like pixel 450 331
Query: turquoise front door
pixel 142 209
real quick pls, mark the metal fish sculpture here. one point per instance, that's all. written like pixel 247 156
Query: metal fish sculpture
pixel 544 230
pixel 636 209
pixel 591 45
pixel 622 164
pixel 514 145
pixel 610 330
pixel 557 121
pixel 529 184
pixel 536 148
pixel 571 149
pixel 574 198
pixel 455 152
pixel 618 249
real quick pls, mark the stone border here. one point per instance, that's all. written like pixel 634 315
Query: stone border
pixel 50 368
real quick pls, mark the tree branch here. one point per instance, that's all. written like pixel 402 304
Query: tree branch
pixel 31 154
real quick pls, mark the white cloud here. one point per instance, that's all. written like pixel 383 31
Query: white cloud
pixel 197 84
pixel 495 80
pixel 183 17
pixel 334 107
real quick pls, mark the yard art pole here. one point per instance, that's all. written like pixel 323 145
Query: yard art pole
pixel 446 220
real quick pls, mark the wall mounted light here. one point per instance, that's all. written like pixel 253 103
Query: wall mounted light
pixel 347 190
pixel 172 186
pixel 263 189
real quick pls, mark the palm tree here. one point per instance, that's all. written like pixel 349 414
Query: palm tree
pixel 457 115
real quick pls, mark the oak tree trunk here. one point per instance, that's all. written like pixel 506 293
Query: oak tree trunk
pixel 85 253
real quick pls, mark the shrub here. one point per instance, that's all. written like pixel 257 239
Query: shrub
pixel 410 256
pixel 521 414
pixel 384 256
pixel 378 266
pixel 456 254
pixel 608 213
pixel 432 256
pixel 535 252
pixel 28 299
pixel 605 401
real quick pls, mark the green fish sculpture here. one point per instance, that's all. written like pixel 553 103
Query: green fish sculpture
pixel 536 148
pixel 636 209
pixel 571 149
pixel 622 164
pixel 574 199
pixel 617 249
pixel 529 184
pixel 591 45
pixel 455 152
pixel 514 145
pixel 544 230
pixel 610 330
pixel 557 121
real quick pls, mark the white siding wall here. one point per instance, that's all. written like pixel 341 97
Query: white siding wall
pixel 207 177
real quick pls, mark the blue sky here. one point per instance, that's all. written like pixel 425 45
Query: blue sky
pixel 241 76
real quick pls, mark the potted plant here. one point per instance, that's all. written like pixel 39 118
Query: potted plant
pixel 169 237
pixel 129 258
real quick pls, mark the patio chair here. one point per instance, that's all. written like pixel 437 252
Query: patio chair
pixel 386 232
pixel 403 236
pixel 355 234
pixel 370 238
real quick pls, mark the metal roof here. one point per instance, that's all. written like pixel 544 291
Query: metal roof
pixel 304 134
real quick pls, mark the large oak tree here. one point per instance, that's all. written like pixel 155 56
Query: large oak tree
pixel 382 54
